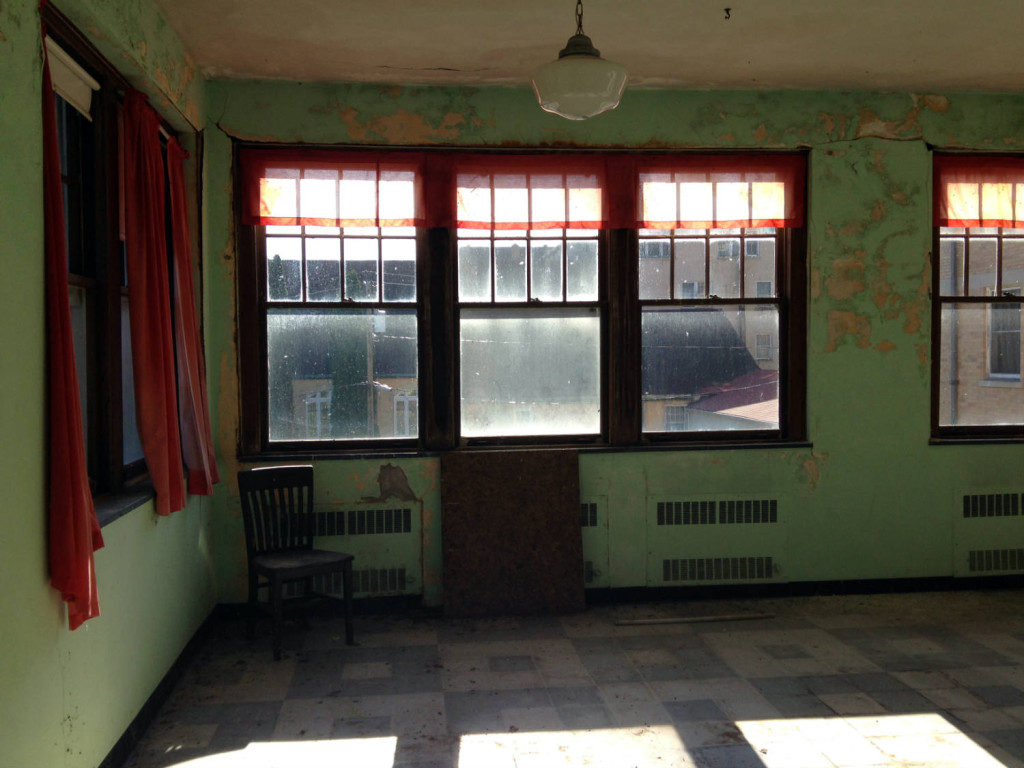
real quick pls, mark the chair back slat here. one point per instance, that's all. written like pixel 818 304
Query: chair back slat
pixel 277 508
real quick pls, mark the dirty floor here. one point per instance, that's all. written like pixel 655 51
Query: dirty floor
pixel 927 679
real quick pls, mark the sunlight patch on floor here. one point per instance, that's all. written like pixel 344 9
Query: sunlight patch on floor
pixel 328 753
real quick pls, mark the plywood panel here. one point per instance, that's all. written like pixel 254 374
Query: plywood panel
pixel 511 532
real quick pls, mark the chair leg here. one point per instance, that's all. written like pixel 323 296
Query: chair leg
pixel 346 577
pixel 250 618
pixel 275 600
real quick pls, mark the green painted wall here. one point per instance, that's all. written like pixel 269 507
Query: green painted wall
pixel 870 498
pixel 66 697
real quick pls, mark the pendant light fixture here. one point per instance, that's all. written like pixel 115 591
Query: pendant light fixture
pixel 579 83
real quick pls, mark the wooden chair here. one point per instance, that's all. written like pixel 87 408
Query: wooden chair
pixel 277 508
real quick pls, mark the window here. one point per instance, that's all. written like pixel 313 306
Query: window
pixel 86 103
pixel 980 246
pixel 439 299
pixel 528 301
pixel 338 308
pixel 710 351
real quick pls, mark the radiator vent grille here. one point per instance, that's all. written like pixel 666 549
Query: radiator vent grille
pixel 717 569
pixel 329 523
pixel 992 505
pixel 984 560
pixel 373 581
pixel 588 515
pixel 709 512
pixel 377 521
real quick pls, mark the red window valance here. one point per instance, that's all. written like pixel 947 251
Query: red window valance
pixel 721 191
pixel 530 192
pixel 979 191
pixel 332 189
pixel 520 192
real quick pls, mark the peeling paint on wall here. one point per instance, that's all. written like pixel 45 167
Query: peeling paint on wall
pixel 842 324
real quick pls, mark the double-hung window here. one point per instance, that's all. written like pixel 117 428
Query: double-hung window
pixel 979 219
pixel 529 309
pixel 337 314
pixel 712 249
pixel 601 299
pixel 87 133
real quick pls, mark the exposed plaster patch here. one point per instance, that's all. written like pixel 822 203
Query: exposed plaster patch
pixel 871 125
pixel 727 138
pixel 831 123
pixel 848 276
pixel 885 346
pixel 812 467
pixel 815 283
pixel 402 127
pixel 842 324
pixel 143 49
pixel 879 211
pixel 760 133
pixel 881 288
pixel 922 354
pixel 913 310
pixel 393 483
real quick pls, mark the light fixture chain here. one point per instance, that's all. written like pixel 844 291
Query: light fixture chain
pixel 579 17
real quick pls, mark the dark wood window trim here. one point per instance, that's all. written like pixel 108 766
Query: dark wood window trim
pixel 437 311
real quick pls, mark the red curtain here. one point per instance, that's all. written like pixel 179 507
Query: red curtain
pixel 74 530
pixel 193 413
pixel 149 303
pixel 979 191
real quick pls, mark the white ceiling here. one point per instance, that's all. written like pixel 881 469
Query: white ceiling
pixel 891 45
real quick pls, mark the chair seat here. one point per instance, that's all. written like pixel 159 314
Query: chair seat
pixel 299 563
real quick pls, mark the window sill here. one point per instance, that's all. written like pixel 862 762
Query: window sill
pixel 1009 381
pixel 112 506
pixel 590 448
pixel 976 440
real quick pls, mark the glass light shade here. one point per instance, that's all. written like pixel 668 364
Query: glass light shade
pixel 579 86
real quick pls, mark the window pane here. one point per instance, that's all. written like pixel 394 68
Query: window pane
pixel 526 372
pixel 131 444
pixel 581 267
pixel 1013 262
pixel 78 298
pixel 690 263
pixel 284 268
pixel 323 269
pixel 336 374
pixel 546 270
pixel 510 271
pixel 361 268
pixel 711 364
pixel 1004 340
pixel 475 270
pixel 970 392
pixel 399 263
pixel 758 265
pixel 725 268
pixel 951 266
pixel 982 256
pixel 655 269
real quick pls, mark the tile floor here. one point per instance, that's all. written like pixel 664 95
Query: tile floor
pixel 926 679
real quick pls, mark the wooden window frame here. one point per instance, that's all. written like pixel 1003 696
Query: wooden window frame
pixel 101 273
pixel 437 321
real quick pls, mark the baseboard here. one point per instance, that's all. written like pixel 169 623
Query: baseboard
pixel 605 596
pixel 124 747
